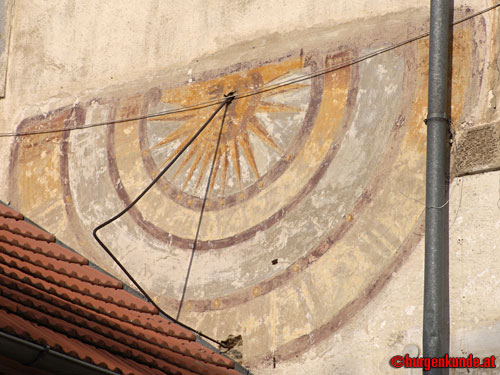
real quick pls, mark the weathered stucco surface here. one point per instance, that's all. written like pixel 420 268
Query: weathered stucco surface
pixel 393 319
pixel 325 176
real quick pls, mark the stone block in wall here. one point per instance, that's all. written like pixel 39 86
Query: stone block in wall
pixel 477 150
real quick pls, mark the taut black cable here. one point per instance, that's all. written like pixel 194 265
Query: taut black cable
pixel 203 208
pixel 255 91
pixel 228 100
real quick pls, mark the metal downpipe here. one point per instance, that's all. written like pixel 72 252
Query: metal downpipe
pixel 436 327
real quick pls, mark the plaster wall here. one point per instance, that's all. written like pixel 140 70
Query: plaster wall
pixel 62 52
pixel 392 321
pixel 335 191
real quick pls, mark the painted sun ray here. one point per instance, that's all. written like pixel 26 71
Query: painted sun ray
pixel 216 169
pixel 223 150
pixel 228 164
pixel 187 158
pixel 255 126
pixel 176 151
pixel 196 161
pixel 209 154
pixel 235 156
pixel 275 107
pixel 244 141
pixel 280 90
pixel 188 127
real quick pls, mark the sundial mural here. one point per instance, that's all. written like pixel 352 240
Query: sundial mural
pixel 262 136
pixel 248 124
pixel 325 176
pixel 264 143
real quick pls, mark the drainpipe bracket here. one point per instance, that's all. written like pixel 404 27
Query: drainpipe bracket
pixel 437 115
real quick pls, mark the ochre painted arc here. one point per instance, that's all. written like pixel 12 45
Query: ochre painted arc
pixel 410 154
pixel 256 216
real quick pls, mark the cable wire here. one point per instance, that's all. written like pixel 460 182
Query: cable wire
pixel 355 60
pixel 255 91
pixel 202 211
pixel 228 100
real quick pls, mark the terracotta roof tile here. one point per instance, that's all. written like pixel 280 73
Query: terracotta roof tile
pixel 17 326
pixel 9 212
pixel 147 333
pixel 77 271
pixel 89 301
pixel 96 339
pixel 25 229
pixel 175 353
pixel 49 295
pixel 52 250
pixel 108 294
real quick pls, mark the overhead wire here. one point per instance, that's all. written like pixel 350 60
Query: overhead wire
pixel 251 92
pixel 355 60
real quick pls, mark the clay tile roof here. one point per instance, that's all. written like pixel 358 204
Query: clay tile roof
pixel 50 295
